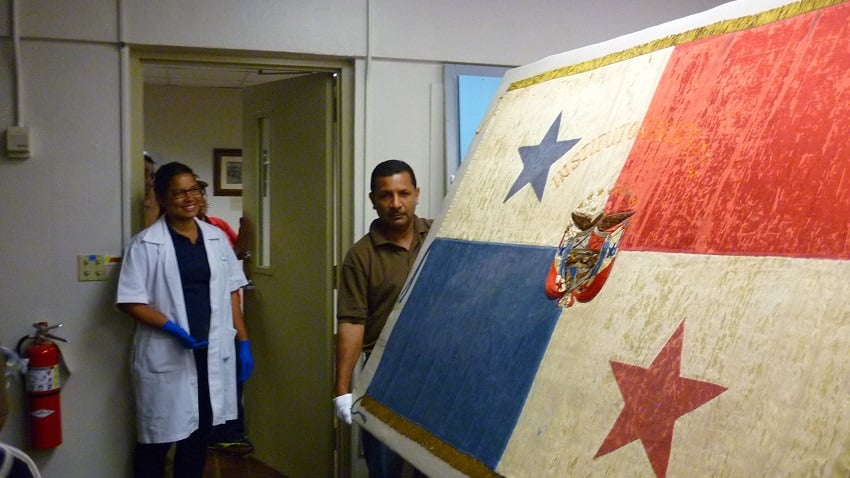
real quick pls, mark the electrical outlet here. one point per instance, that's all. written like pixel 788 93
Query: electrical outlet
pixel 92 267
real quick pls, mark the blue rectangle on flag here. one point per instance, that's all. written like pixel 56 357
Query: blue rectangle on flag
pixel 465 349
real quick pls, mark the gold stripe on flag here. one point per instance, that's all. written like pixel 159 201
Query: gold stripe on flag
pixel 428 441
pixel 718 28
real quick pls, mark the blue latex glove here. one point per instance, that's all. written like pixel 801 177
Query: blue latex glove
pixel 185 339
pixel 246 360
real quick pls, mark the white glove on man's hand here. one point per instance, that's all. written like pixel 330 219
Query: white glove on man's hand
pixel 342 404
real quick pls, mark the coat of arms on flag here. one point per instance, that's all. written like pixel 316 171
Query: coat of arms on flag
pixel 585 257
pixel 642 269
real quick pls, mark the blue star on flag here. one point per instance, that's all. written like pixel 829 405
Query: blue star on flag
pixel 536 160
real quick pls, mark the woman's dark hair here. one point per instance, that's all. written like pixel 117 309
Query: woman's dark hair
pixel 164 175
pixel 389 168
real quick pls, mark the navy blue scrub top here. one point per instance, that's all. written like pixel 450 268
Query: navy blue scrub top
pixel 195 277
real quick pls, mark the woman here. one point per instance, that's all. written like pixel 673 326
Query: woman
pixel 180 281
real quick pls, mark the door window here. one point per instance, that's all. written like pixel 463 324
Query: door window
pixel 264 247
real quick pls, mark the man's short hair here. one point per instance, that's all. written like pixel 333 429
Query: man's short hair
pixel 389 168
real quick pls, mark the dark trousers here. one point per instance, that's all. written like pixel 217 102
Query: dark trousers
pixel 382 461
pixel 190 455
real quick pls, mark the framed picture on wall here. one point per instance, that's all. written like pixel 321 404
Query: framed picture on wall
pixel 227 172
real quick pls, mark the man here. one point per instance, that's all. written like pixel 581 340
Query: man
pixel 150 206
pixel 373 274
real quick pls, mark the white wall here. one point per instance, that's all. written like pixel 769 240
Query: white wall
pixel 399 127
pixel 63 202
pixel 66 199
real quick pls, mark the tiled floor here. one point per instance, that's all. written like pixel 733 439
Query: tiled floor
pixel 222 465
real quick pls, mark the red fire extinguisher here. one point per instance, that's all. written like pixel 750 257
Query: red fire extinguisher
pixel 43 387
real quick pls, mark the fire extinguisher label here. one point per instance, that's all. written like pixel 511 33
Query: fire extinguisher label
pixel 43 412
pixel 43 379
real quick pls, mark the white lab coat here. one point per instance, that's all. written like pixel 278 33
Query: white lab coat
pixel 164 376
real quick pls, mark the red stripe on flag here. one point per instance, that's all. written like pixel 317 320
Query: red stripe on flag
pixel 745 148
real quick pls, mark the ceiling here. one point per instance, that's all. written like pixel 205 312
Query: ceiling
pixel 213 76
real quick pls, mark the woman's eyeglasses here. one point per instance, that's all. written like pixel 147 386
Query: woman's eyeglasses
pixel 194 191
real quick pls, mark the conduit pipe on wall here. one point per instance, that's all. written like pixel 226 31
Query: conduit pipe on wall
pixel 16 53
pixel 365 169
pixel 126 131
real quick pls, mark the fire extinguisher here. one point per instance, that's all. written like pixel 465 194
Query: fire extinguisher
pixel 43 386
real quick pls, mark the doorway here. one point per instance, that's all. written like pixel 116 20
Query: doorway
pixel 289 419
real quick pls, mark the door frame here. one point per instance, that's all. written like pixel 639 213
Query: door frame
pixel 139 55
pixel 135 57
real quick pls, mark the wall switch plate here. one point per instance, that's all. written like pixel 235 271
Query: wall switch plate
pixel 92 267
pixel 18 142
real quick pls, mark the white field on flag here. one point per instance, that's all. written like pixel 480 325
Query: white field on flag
pixel 603 108
pixel 774 331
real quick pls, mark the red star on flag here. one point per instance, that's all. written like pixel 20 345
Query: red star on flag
pixel 655 397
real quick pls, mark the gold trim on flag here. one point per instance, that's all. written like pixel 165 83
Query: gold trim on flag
pixel 718 28
pixel 437 447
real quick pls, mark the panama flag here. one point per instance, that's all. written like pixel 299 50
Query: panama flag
pixel 643 269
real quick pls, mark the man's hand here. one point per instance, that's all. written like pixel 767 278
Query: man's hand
pixel 342 405
pixel 246 360
pixel 186 340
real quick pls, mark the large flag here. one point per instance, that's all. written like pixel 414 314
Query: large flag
pixel 643 269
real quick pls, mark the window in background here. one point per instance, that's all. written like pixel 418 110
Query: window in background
pixel 469 91
pixel 475 93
